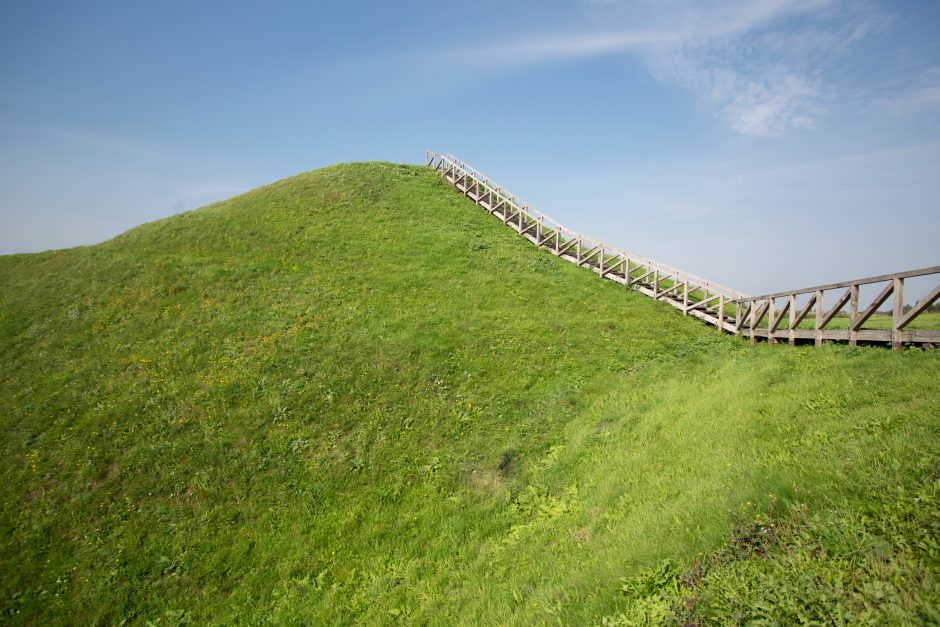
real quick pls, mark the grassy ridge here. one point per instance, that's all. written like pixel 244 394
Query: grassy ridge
pixel 351 396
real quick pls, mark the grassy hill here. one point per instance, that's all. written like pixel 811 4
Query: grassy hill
pixel 352 396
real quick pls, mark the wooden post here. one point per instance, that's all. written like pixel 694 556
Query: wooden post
pixel 819 317
pixel 853 314
pixel 752 316
pixel 737 317
pixel 770 321
pixel 721 313
pixel 600 262
pixel 685 298
pixel 897 313
pixel 655 284
pixel 792 339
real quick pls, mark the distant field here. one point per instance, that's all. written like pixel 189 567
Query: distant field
pixel 353 397
pixel 926 320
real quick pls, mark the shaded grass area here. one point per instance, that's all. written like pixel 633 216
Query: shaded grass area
pixel 354 397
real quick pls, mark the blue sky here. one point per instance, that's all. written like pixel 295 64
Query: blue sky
pixel 768 144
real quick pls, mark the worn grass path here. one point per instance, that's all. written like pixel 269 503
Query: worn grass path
pixel 354 397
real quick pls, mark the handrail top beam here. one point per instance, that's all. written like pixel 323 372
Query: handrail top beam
pixel 833 286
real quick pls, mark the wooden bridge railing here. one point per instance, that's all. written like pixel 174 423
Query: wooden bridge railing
pixel 779 316
pixel 727 309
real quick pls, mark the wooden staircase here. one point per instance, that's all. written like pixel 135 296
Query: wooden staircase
pixel 720 306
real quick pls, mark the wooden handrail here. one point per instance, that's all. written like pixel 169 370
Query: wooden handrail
pixel 553 224
pixel 711 298
pixel 865 281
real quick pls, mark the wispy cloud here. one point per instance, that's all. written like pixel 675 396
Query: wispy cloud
pixel 761 67
pixel 663 26
pixel 762 99
pixel 541 50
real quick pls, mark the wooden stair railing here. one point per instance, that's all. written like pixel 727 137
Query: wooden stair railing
pixel 720 306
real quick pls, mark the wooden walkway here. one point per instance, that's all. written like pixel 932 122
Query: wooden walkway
pixel 772 317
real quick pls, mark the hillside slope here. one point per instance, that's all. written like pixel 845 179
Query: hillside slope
pixel 352 396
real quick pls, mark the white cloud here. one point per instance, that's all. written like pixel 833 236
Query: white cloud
pixel 541 50
pixel 760 66
pixel 761 99
pixel 663 26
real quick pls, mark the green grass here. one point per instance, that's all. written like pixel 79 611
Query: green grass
pixel 354 397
